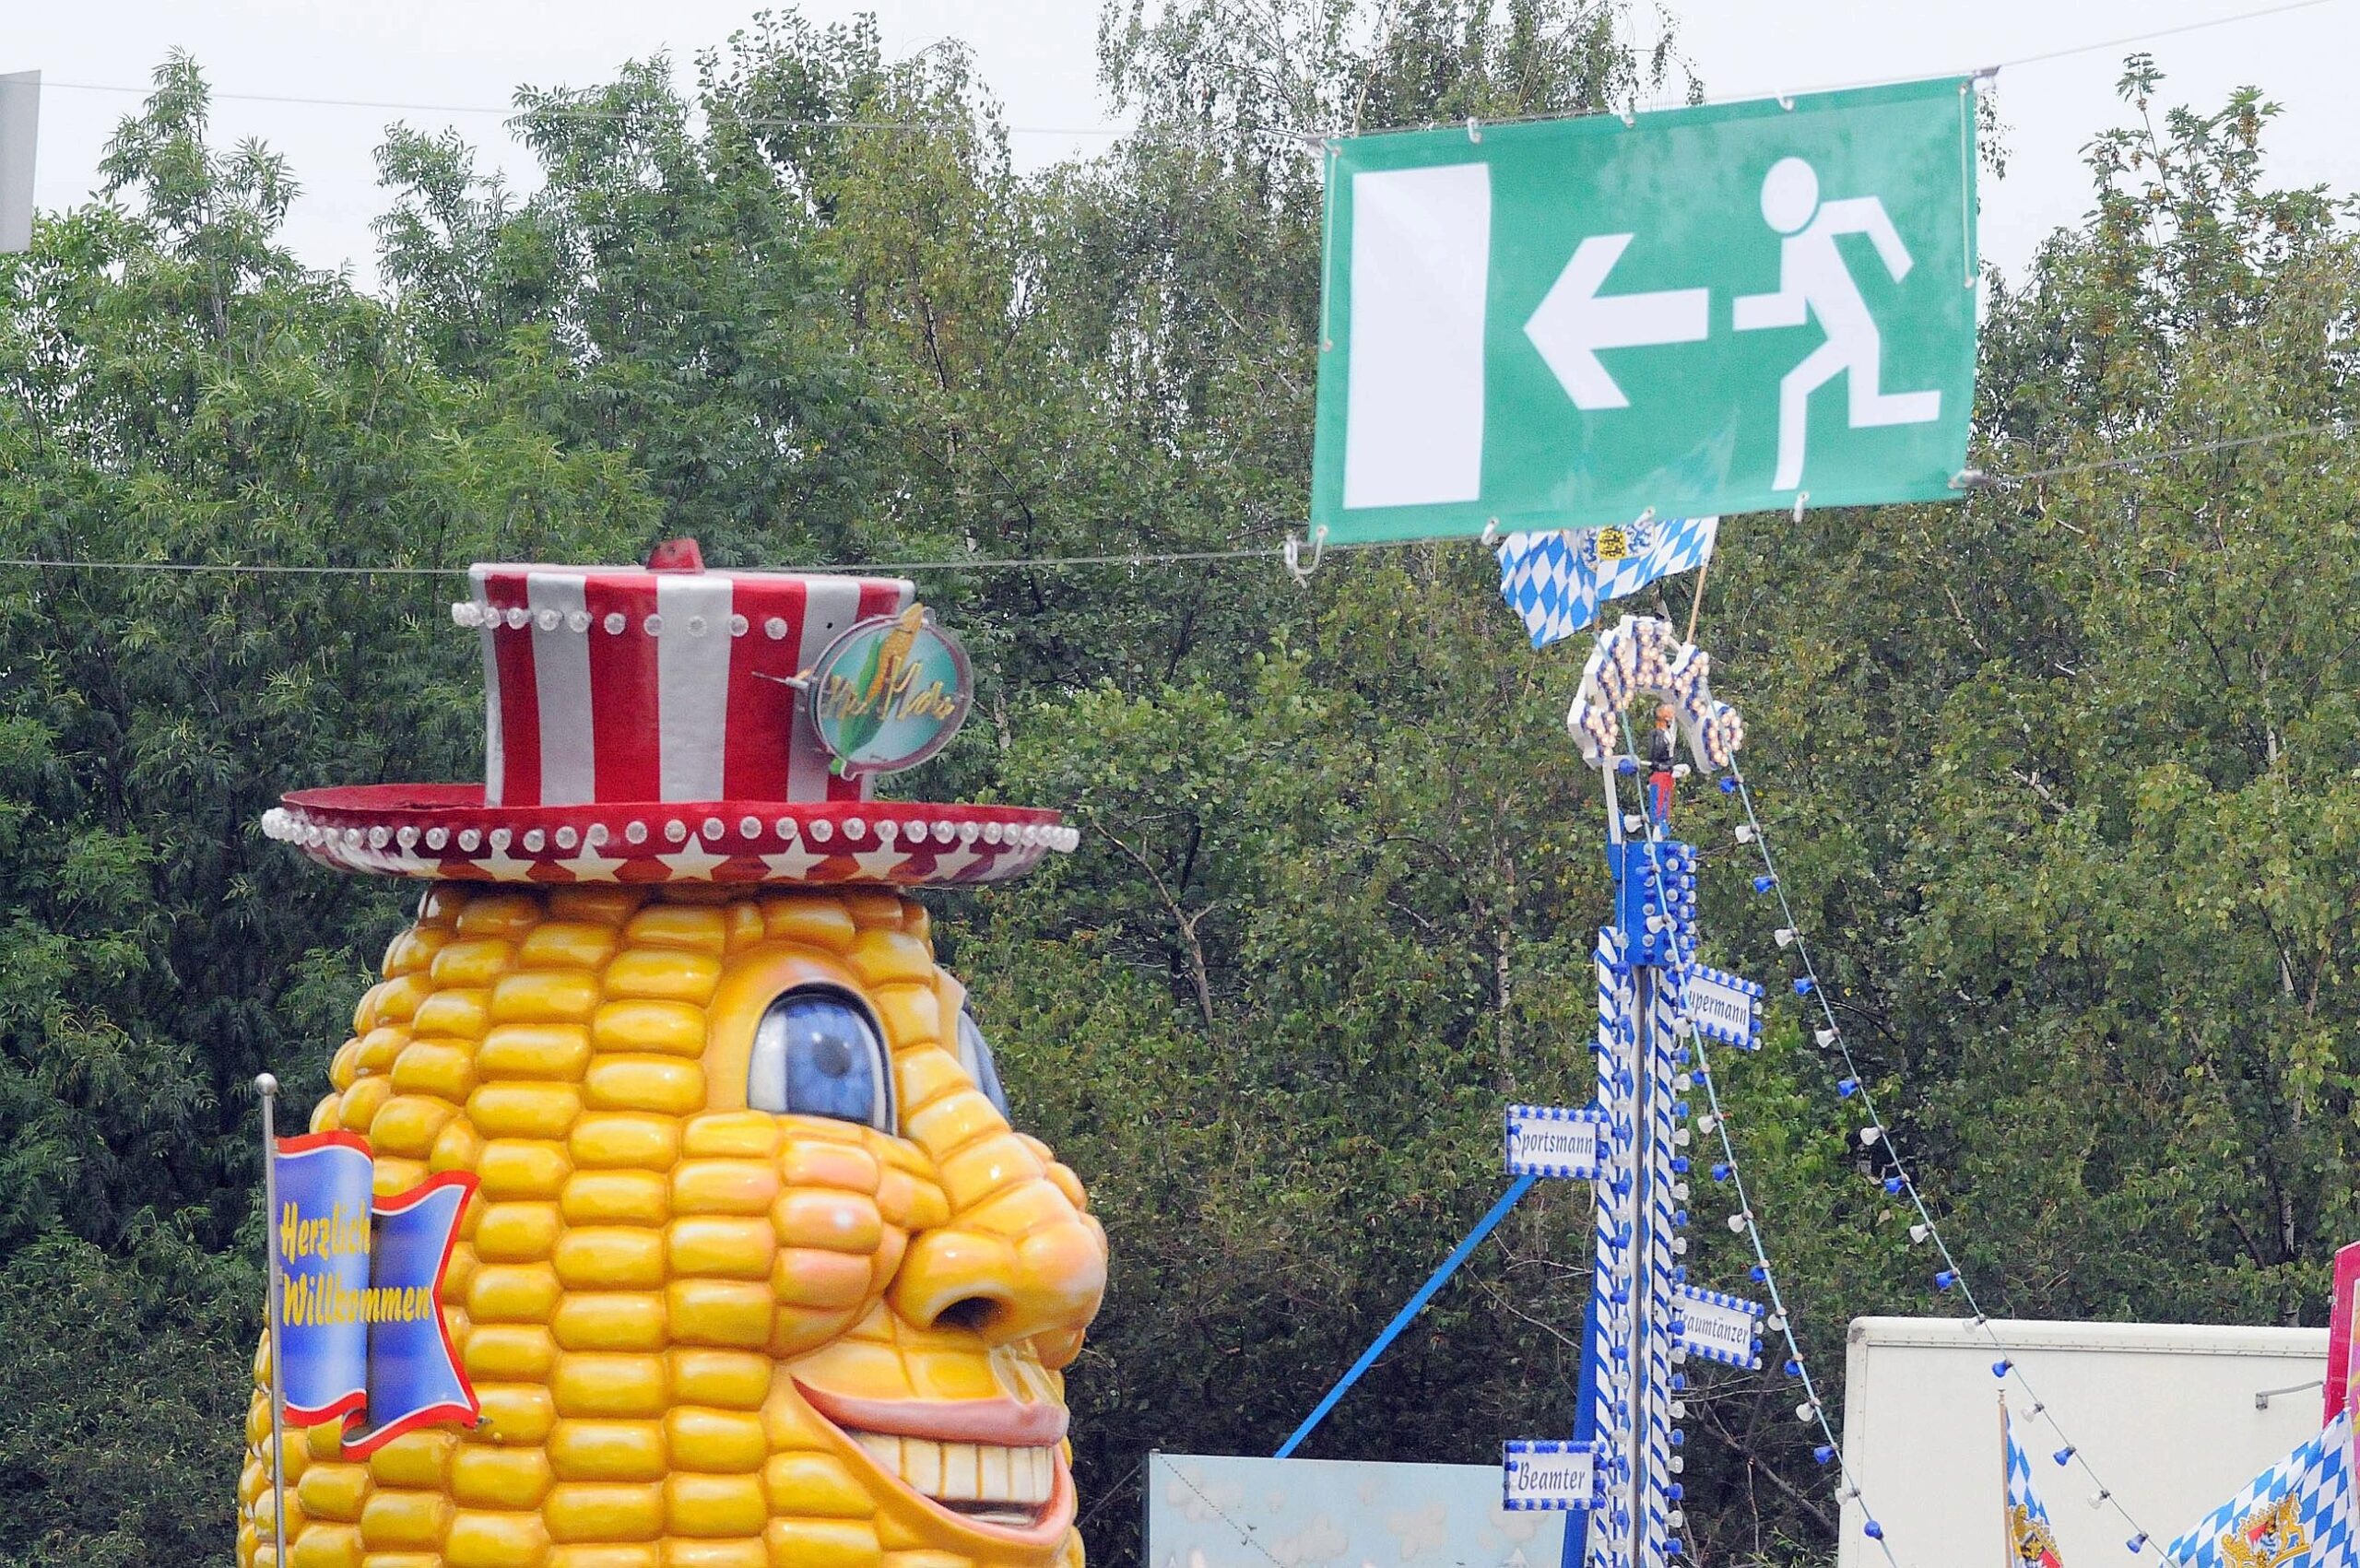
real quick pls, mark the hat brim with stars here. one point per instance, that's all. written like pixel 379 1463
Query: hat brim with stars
pixel 652 726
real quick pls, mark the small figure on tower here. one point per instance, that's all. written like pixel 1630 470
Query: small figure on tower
pixel 1662 757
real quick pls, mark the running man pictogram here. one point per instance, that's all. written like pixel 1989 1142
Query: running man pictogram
pixel 1813 282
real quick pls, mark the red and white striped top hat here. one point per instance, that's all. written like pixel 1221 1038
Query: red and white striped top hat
pixel 646 724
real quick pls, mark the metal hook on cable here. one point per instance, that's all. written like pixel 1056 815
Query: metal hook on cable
pixel 1297 567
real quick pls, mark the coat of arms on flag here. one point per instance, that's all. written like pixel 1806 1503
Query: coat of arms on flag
pixel 1555 581
pixel 2296 1515
pixel 2031 1543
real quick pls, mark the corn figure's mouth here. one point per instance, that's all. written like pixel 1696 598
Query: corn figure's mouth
pixel 994 1466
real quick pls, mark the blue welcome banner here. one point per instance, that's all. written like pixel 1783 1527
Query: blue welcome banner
pixel 361 1293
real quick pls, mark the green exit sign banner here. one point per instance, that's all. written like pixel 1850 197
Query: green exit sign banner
pixel 1732 308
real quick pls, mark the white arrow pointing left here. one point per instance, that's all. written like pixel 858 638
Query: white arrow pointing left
pixel 1575 321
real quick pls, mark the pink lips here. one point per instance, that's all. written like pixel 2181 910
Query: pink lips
pixel 1007 1422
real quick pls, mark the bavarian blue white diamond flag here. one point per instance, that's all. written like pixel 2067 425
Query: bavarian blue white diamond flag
pixel 1557 581
pixel 2297 1515
pixel 2034 1545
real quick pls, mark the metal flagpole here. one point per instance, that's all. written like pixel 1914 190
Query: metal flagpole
pixel 1696 600
pixel 2007 1515
pixel 267 1087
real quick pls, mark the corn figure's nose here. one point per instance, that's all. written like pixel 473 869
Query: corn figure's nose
pixel 1017 1258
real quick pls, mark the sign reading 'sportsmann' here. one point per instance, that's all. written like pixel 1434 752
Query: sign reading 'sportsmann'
pixel 1712 310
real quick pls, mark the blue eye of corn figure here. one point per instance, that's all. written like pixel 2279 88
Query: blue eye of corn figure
pixel 817 1054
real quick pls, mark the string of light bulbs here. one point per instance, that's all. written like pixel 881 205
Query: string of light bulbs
pixel 1812 1410
pixel 1898 1182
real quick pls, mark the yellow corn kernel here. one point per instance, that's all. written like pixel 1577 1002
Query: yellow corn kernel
pixel 321 1546
pixel 729 1380
pixel 603 1383
pixel 524 1110
pixel 669 1029
pixel 458 1014
pixel 513 1292
pixel 611 1257
pixel 414 1459
pixel 513 1167
pixel 926 1074
pixel 833 1281
pixel 714 1506
pixel 910 1203
pixel 603 1510
pixel 935 1375
pixel 381 1047
pixel 567 944
pixel 953 1121
pixel 869 907
pixel 517 1232
pixel 393 1176
pixel 473 961
pixel 732 1135
pixel 606 904
pixel 609 1320
pixel 834 1221
pixel 360 1104
pixel 616 1197
pixel 665 973
pixel 820 1484
pixel 726 1312
pixel 722 1442
pixel 457 1148
pixel 335 1491
pixel 500 1478
pixel 323 1442
pixel 819 923
pixel 396 1519
pixel 533 1051
pixel 613 1557
pixel 1020 1210
pixel 437 1068
pixel 977 1172
pixel 345 1065
pixel 496 1540
pixel 544 996
pixel 412 952
pixel 595 1450
pixel 879 957
pixel 722 1186
pixel 911 1014
pixel 691 927
pixel 407 1124
pixel 820 1543
pixel 509 1352
pixel 830 1165
pixel 515 1412
pixel 396 1001
pixel 717 1247
pixel 499 914
pixel 645 1083
pixel 742 925
pixel 327 1115
pixel 636 1142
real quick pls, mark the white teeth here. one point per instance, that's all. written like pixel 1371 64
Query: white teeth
pixel 994 1477
pixel 991 1462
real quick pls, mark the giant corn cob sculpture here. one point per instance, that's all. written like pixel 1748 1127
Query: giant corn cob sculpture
pixel 758 1273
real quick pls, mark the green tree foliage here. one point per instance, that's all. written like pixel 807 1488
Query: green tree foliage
pixel 2061 777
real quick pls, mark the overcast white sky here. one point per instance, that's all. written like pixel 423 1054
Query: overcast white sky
pixel 1039 56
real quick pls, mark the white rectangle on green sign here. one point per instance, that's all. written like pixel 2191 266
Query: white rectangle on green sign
pixel 1729 308
pixel 1422 244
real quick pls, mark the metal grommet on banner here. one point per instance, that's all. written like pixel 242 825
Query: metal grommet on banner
pixel 1297 567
